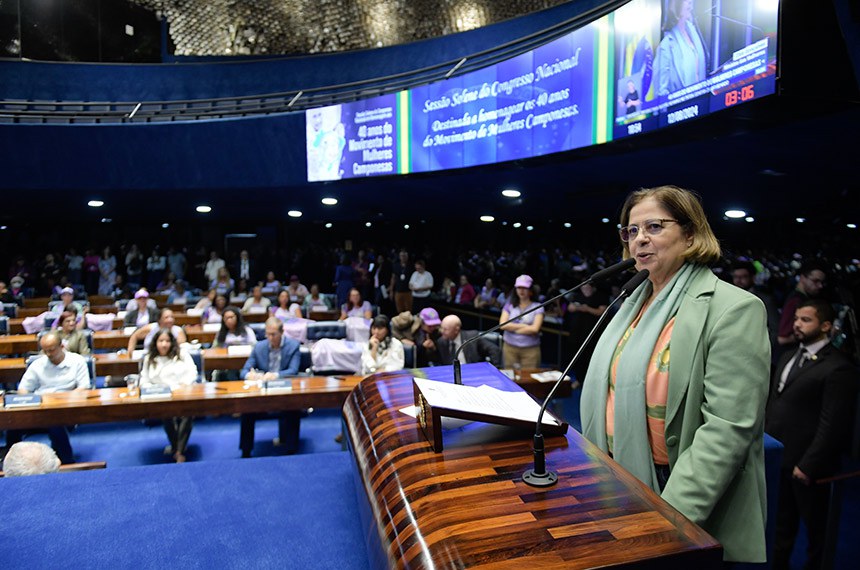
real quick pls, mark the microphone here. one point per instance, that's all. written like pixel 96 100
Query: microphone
pixel 539 476
pixel 598 276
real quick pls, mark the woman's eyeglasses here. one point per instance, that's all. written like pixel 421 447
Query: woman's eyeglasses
pixel 651 227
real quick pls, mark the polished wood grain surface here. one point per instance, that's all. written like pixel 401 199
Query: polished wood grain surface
pixel 114 404
pixel 468 507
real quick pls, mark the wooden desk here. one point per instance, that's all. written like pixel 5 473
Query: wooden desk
pixel 21 343
pixel 36 302
pixel 183 319
pixel 11 369
pixel 115 364
pixel 210 398
pixel 324 315
pixel 468 505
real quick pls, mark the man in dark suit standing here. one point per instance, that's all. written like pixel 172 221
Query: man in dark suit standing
pixel 244 269
pixel 452 338
pixel 275 357
pixel 811 400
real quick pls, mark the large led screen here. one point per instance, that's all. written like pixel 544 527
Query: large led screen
pixel 649 64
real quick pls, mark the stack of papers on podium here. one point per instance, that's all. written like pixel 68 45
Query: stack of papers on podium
pixel 483 400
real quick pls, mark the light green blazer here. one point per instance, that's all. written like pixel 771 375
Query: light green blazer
pixel 718 383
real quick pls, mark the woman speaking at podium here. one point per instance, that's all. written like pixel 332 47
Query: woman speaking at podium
pixel 688 423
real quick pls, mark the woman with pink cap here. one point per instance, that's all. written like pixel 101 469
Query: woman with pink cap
pixel 522 337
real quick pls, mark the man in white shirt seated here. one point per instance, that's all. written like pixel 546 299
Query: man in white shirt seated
pixel 55 371
pixel 256 303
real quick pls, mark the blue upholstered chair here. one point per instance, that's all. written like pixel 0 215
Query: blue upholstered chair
pixel 326 329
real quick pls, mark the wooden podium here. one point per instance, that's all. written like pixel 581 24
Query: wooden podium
pixel 468 507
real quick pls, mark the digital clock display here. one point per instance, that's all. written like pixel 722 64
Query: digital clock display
pixel 745 93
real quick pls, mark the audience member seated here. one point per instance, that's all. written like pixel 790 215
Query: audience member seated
pixel 297 291
pixel 316 301
pixel 275 357
pixel 214 312
pixel 67 304
pixel 522 337
pixel 256 303
pixel 167 284
pixel 285 309
pixel 355 307
pixel 234 332
pixel 6 296
pixel 271 284
pixel 118 289
pixel 465 294
pixel 404 326
pixel 16 292
pixel 142 314
pixel 223 283
pixel 383 352
pixel 488 297
pixel 451 338
pixel 447 290
pixel 57 370
pixel 30 458
pixel 71 336
pixel 166 364
pixel 178 296
pixel 206 301
pixel 166 320
pixel 240 294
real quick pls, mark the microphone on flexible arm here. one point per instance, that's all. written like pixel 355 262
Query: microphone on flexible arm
pixel 598 276
pixel 539 476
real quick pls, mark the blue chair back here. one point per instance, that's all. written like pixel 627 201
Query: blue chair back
pixel 10 310
pixel 326 329
pixel 305 364
pixel 197 357
pixel 259 330
pixel 409 356
pixel 4 325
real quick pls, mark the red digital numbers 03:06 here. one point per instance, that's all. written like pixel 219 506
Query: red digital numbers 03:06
pixel 745 93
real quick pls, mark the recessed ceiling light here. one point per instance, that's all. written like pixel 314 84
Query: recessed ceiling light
pixel 800 220
pixel 517 224
pixel 294 213
pixel 749 219
pixel 95 203
pixel 851 226
pixel 604 220
pixel 329 201
pixel 367 224
pixel 405 226
pixel 511 193
pixel 165 225
pixel 106 220
pixel 567 224
pixel 530 228
pixel 4 227
pixel 204 209
pixel 488 219
pixel 735 214
pixel 328 225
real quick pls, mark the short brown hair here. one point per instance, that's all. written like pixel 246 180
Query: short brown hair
pixel 686 207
